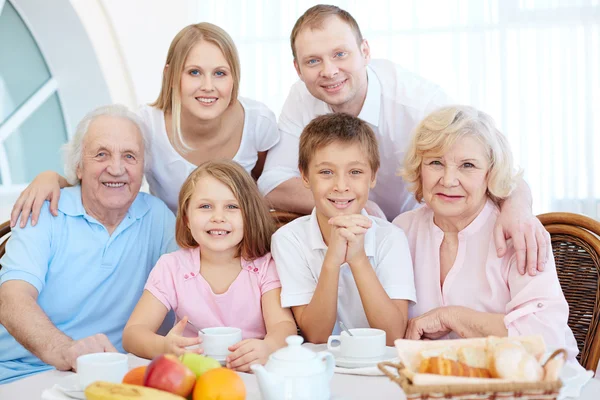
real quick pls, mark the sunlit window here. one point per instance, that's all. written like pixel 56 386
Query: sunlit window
pixel 32 127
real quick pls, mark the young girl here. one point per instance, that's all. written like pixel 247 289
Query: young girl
pixel 222 276
pixel 197 117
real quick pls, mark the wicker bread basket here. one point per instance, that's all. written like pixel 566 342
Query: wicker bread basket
pixel 542 390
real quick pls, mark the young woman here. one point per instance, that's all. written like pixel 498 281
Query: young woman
pixel 197 117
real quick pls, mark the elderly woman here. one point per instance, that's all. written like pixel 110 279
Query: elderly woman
pixel 460 166
pixel 69 284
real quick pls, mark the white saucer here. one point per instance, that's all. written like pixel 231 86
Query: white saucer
pixel 390 354
pixel 70 387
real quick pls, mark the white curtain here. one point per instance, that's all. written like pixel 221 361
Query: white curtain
pixel 534 65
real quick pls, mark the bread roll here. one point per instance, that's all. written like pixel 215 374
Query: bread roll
pixel 510 360
pixel 473 356
pixel 443 366
pixel 534 345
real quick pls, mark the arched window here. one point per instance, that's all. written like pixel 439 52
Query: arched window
pixel 50 78
pixel 32 126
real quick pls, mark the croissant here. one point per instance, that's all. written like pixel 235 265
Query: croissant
pixel 442 366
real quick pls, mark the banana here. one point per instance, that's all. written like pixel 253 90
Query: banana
pixel 122 391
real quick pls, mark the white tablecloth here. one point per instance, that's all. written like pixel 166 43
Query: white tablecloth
pixel 346 387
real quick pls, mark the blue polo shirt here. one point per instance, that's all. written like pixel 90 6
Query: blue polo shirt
pixel 88 281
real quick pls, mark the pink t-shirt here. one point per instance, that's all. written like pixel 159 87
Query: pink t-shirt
pixel 483 282
pixel 176 282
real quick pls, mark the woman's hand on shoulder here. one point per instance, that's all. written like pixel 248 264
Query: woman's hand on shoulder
pixel 248 352
pixel 176 343
pixel 45 186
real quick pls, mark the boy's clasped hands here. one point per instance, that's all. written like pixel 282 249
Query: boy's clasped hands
pixel 347 239
pixel 243 354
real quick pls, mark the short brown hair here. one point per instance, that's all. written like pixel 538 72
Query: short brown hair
pixel 258 223
pixel 337 127
pixel 314 17
pixel 169 99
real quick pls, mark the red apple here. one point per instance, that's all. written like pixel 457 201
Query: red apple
pixel 167 373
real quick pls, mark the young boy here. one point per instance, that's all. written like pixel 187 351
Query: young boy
pixel 339 264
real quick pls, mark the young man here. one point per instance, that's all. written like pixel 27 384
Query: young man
pixel 337 74
pixel 339 264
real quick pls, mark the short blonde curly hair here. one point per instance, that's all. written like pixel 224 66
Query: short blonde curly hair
pixel 441 129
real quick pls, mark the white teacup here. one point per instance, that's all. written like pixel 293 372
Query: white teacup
pixel 216 341
pixel 365 343
pixel 109 367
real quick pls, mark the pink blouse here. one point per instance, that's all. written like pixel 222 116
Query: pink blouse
pixel 483 282
pixel 176 282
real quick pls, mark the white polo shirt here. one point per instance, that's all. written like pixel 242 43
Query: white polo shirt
pixel 397 100
pixel 299 251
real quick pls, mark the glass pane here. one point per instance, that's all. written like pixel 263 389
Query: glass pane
pixel 22 66
pixel 35 146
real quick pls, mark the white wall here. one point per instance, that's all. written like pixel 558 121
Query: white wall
pixel 144 29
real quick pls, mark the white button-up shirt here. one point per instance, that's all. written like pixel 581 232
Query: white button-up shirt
pixel 299 251
pixel 396 101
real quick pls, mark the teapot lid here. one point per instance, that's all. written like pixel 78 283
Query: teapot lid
pixel 294 351
pixel 295 360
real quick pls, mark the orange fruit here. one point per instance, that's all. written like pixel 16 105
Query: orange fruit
pixel 219 384
pixel 135 376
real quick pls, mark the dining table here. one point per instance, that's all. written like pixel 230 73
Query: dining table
pixel 343 386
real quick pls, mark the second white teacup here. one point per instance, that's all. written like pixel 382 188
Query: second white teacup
pixel 108 367
pixel 216 341
pixel 365 343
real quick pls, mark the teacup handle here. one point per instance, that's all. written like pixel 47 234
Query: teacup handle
pixel 331 339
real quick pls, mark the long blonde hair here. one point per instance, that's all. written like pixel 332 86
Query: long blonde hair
pixel 169 99
pixel 258 223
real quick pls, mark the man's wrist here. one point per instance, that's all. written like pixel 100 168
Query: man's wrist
pixel 56 353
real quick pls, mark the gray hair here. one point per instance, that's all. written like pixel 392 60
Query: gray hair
pixel 73 149
pixel 438 131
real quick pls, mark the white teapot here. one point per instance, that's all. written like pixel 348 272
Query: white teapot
pixel 295 373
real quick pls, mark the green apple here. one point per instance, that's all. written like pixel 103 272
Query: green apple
pixel 198 363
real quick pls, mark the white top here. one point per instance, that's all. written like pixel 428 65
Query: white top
pixel 299 251
pixel 169 169
pixel 397 100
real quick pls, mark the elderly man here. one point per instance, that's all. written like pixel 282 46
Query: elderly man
pixel 336 73
pixel 69 284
